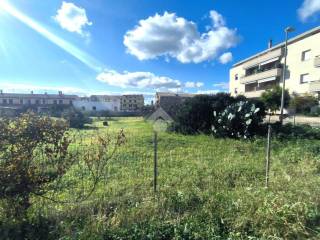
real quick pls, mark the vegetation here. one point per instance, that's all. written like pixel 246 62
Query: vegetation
pixel 208 189
pixel 239 120
pixel 272 98
pixel 205 114
pixel 302 104
pixel 35 157
pixel 76 119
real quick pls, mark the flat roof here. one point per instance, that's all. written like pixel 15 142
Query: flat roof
pixel 29 95
pixel 290 41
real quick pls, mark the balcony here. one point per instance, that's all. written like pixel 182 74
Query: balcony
pixel 276 72
pixel 317 61
pixel 276 53
pixel 253 94
pixel 314 86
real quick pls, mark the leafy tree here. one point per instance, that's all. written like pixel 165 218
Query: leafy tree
pixel 272 98
pixel 303 103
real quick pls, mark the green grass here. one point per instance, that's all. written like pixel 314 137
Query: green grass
pixel 207 189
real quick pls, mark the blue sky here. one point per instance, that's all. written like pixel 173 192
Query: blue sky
pixel 107 46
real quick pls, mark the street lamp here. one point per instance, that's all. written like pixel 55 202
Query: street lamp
pixel 287 30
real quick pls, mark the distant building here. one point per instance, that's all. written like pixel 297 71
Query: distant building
pixel 110 103
pixel 132 103
pixel 39 101
pixel 252 76
pixel 170 102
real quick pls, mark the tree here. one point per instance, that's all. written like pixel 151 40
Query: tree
pixel 272 98
pixel 303 103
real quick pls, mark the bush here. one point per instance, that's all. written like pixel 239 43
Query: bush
pixel 303 103
pixel 76 119
pixel 239 120
pixel 272 98
pixel 196 114
pixel 288 130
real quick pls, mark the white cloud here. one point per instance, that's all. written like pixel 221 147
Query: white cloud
pixel 171 36
pixel 225 58
pixel 222 85
pixel 137 80
pixel 25 88
pixel 194 84
pixel 73 18
pixel 212 91
pixel 217 19
pixel 308 9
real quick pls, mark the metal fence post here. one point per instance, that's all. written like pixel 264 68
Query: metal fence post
pixel 268 156
pixel 155 167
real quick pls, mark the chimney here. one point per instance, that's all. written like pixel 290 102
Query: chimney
pixel 60 93
pixel 270 44
pixel 1 91
pixel 31 92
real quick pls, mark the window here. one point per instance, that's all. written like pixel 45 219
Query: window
pixel 4 101
pixel 10 101
pixel 29 101
pixel 37 102
pixel 60 101
pixel 21 101
pixel 70 102
pixel 94 108
pixel 43 101
pixel 236 77
pixel 236 91
pixel 83 108
pixel 306 55
pixel 304 78
pixel 54 101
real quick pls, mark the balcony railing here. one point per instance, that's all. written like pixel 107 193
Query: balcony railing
pixel 275 72
pixel 314 86
pixel 317 61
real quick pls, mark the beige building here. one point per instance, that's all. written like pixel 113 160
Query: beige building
pixel 37 100
pixel 132 103
pixel 252 76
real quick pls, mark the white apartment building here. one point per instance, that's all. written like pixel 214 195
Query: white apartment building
pixel 98 103
pixel 252 76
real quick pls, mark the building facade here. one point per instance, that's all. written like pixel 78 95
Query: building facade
pixel 98 103
pixel 132 103
pixel 252 76
pixel 18 100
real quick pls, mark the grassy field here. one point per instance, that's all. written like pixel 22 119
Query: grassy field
pixel 208 189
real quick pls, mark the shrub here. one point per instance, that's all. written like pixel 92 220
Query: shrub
pixel 272 98
pixel 76 119
pixel 303 103
pixel 288 130
pixel 196 114
pixel 239 120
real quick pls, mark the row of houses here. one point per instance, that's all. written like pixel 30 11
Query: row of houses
pixel 255 74
pixel 113 103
